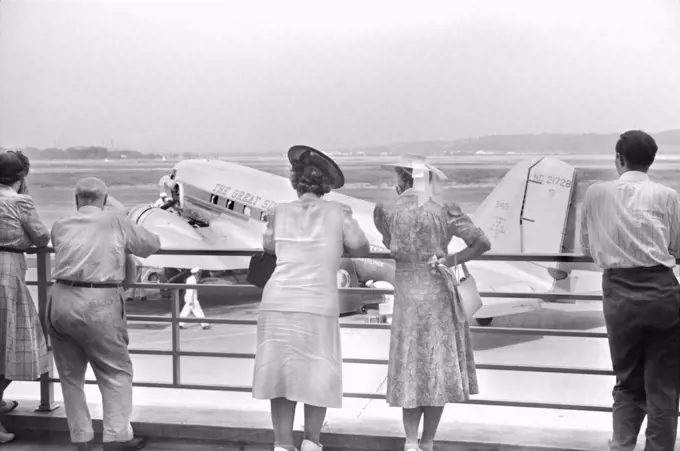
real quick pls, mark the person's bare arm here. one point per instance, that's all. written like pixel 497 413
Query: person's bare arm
pixel 354 239
pixel 269 237
pixel 584 238
pixel 674 224
pixel 36 230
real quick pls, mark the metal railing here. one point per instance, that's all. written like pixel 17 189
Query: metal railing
pixel 46 380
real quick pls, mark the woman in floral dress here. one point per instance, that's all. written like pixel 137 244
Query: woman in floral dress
pixel 431 361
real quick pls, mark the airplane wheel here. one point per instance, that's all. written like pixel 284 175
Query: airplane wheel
pixel 483 321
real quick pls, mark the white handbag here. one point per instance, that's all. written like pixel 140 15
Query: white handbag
pixel 466 300
pixel 468 294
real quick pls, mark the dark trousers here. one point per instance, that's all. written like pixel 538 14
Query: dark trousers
pixel 642 313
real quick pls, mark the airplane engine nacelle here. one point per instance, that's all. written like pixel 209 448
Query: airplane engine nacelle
pixel 178 195
pixel 176 233
pixel 154 277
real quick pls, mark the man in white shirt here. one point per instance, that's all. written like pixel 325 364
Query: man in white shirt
pixel 631 228
pixel 191 304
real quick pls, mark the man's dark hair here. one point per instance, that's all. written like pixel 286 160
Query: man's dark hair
pixel 637 149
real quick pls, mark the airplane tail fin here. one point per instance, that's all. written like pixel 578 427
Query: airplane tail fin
pixel 529 212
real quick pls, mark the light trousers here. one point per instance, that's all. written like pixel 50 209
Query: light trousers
pixel 192 307
pixel 87 325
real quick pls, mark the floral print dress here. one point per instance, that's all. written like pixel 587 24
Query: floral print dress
pixel 431 362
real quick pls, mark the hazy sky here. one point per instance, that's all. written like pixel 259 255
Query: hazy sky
pixel 218 75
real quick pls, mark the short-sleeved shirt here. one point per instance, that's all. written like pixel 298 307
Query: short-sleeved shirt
pixel 309 237
pixel 414 233
pixel 91 245
pixel 631 222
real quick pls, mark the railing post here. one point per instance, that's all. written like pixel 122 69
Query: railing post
pixel 175 337
pixel 47 403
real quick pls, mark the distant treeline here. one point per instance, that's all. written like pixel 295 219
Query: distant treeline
pixel 587 143
pixel 546 143
pixel 97 153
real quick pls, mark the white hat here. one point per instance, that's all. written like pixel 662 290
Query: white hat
pixel 370 283
pixel 194 270
pixel 410 161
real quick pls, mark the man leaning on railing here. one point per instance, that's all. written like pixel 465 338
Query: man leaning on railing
pixel 86 313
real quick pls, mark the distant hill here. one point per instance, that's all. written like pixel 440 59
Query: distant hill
pixel 587 143
pixel 545 143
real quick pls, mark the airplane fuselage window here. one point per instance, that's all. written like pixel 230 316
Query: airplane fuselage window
pixel 236 207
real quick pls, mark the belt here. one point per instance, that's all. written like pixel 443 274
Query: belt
pixel 77 284
pixel 12 250
pixel 638 270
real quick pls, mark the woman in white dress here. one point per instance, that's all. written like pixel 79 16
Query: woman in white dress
pixel 299 356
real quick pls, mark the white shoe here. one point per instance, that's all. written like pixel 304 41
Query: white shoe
pixel 308 445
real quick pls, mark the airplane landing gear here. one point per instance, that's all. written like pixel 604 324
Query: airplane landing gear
pixel 483 321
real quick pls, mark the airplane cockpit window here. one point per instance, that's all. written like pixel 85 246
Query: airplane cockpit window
pixel 230 204
pixel 214 199
pixel 246 211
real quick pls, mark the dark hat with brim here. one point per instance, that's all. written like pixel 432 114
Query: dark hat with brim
pixel 11 166
pixel 309 155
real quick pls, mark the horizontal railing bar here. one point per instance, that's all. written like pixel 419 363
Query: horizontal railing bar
pixel 487 330
pixel 373 291
pixel 538 405
pixel 480 366
pixel 167 319
pixel 547 257
pixel 483 402
pixel 538 257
